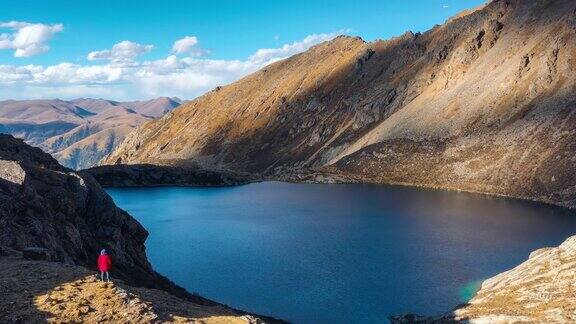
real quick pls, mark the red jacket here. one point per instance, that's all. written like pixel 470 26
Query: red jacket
pixel 104 262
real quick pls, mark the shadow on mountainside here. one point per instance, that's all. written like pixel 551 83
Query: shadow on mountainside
pixel 39 291
pixel 446 318
pixel 144 175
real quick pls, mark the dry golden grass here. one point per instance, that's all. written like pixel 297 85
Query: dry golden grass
pixel 37 291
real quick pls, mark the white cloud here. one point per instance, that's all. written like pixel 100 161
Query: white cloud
pixel 123 52
pixel 269 55
pixel 185 77
pixel 188 45
pixel 27 39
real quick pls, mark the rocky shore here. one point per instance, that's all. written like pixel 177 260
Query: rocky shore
pixel 540 290
pixel 148 175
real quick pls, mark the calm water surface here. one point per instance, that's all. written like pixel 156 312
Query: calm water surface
pixel 337 253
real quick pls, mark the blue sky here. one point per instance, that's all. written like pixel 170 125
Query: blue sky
pixel 223 36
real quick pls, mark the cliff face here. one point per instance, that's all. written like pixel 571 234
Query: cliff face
pixel 484 102
pixel 53 213
pixel 46 205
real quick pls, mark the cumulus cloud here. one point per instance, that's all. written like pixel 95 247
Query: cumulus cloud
pixel 123 52
pixel 185 77
pixel 27 39
pixel 269 55
pixel 188 45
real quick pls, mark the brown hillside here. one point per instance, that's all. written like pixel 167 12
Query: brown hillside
pixel 484 102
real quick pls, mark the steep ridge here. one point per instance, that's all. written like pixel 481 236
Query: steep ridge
pixel 52 213
pixel 483 103
pixel 80 132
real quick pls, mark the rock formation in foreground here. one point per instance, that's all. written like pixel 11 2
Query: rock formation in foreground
pixel 80 132
pixel 485 102
pixel 43 204
pixel 39 292
pixel 540 290
pixel 50 212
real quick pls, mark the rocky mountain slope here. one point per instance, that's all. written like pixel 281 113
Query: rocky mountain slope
pixel 52 213
pixel 483 103
pixel 79 133
pixel 46 205
pixel 540 290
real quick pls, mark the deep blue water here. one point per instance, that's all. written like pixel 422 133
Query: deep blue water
pixel 337 253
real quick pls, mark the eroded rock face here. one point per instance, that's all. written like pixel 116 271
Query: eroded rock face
pixel 44 205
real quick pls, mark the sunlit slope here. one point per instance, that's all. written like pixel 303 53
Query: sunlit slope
pixel 80 132
pixel 484 102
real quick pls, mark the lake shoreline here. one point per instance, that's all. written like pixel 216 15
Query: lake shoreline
pixel 127 176
pixel 217 212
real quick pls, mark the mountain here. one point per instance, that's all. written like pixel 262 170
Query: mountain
pixel 61 219
pixel 156 107
pixel 80 132
pixel 485 102
pixel 153 108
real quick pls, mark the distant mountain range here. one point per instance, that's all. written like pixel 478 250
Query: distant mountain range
pixel 485 102
pixel 80 132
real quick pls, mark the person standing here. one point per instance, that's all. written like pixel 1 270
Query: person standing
pixel 104 264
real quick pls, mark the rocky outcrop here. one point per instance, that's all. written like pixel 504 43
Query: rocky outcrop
pixel 154 175
pixel 540 290
pixel 482 103
pixel 49 212
pixel 46 205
